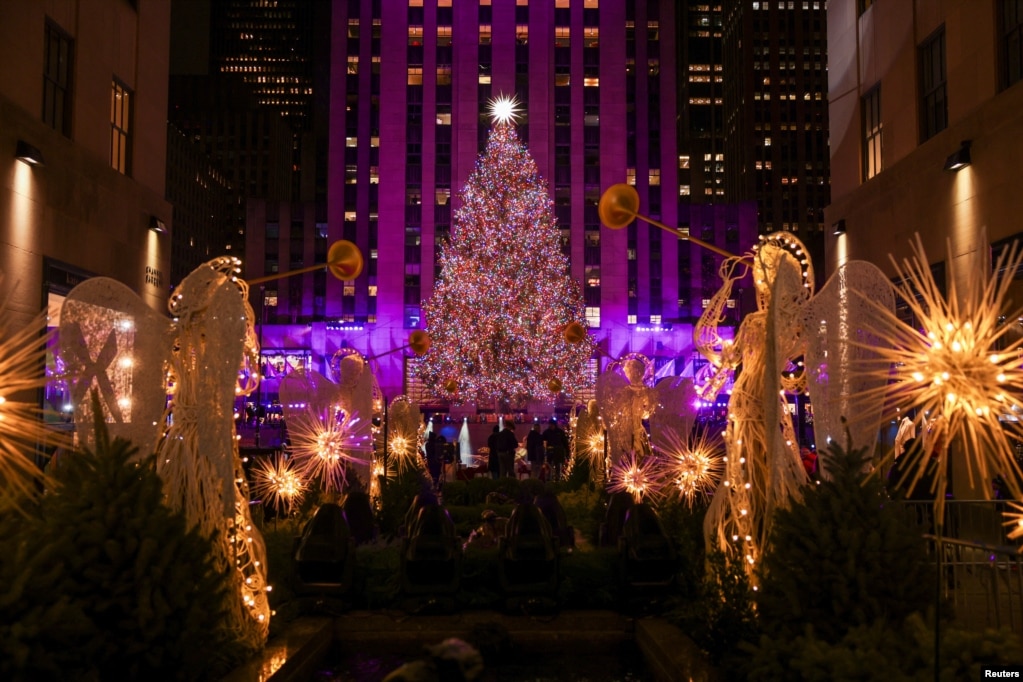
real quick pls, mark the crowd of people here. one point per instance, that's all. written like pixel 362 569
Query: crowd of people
pixel 546 452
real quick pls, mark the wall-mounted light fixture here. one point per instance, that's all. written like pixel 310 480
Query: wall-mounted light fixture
pixel 157 225
pixel 960 158
pixel 838 227
pixel 29 154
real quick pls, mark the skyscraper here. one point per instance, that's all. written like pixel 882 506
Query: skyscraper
pixel 776 113
pixel 701 102
pixel 246 76
pixel 597 84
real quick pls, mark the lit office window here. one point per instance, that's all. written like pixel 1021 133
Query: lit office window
pixel 120 127
pixel 871 105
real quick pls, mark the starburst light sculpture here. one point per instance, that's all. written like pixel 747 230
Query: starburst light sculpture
pixel 639 475
pixel 1014 521
pixel 404 425
pixel 959 367
pixel 278 483
pixel 693 466
pixel 21 426
pixel 324 444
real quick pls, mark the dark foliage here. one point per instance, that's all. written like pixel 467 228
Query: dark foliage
pixel 842 557
pixel 719 615
pixel 396 494
pixel 102 581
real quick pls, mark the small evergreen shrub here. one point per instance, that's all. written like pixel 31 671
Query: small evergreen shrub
pixel 475 491
pixel 396 495
pixel 720 615
pixel 584 509
pixel 102 581
pixel 841 558
pixel 881 651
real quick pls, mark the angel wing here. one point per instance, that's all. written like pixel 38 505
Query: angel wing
pixel 305 391
pixel 613 405
pixel 839 344
pixel 111 340
pixel 676 408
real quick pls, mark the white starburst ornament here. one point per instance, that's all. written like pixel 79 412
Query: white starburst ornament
pixel 693 466
pixel 21 425
pixel 638 475
pixel 961 368
pixel 278 484
pixel 504 110
pixel 1014 522
pixel 324 445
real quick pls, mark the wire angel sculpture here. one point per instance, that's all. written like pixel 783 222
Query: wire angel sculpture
pixel 626 402
pixel 588 441
pixel 793 343
pixel 404 434
pixel 204 357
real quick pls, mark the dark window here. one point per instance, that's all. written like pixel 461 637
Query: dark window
pixel 1012 41
pixel 57 80
pixel 934 104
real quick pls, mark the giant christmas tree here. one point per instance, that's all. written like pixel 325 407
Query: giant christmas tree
pixel 504 299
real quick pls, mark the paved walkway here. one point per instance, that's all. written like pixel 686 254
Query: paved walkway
pixel 294 657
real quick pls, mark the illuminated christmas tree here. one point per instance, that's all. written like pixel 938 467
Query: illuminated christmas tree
pixel 500 309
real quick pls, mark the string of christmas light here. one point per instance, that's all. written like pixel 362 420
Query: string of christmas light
pixel 960 368
pixel 249 552
pixel 504 296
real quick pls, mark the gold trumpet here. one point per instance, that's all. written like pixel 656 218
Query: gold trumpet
pixel 344 260
pixel 619 206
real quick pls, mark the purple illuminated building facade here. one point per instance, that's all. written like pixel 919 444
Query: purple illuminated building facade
pixel 409 89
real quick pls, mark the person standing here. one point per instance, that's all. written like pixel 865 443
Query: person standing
pixel 535 451
pixel 494 447
pixel 434 456
pixel 508 445
pixel 557 448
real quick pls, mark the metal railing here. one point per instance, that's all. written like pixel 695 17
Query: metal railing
pixel 982 570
